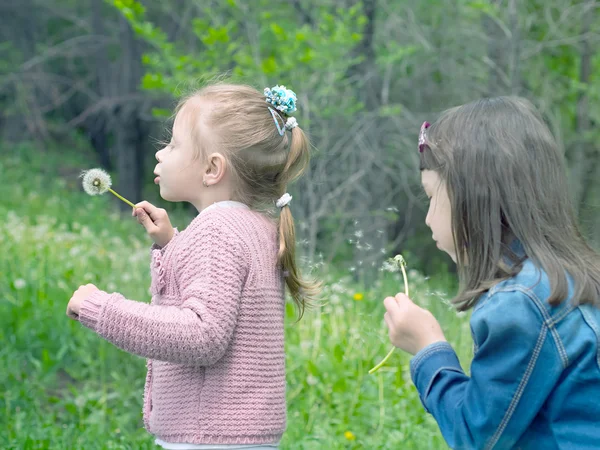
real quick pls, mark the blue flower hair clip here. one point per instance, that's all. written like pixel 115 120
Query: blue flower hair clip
pixel 281 98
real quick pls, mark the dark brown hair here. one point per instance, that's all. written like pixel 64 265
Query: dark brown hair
pixel 506 180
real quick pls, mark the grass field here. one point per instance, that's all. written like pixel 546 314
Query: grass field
pixel 61 387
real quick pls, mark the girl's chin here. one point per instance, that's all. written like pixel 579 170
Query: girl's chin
pixel 452 255
pixel 170 196
pixel 164 194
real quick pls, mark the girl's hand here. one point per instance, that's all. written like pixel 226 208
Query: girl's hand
pixel 77 299
pixel 411 328
pixel 155 221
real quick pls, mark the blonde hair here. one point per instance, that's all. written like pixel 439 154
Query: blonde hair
pixel 262 162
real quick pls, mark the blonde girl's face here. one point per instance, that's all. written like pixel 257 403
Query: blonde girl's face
pixel 179 171
pixel 439 215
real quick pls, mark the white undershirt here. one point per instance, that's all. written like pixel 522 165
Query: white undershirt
pixel 185 446
pixel 225 204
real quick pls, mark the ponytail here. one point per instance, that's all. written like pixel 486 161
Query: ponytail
pixel 266 150
pixel 304 292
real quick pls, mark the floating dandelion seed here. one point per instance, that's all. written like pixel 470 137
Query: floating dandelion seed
pixel 397 262
pixel 97 182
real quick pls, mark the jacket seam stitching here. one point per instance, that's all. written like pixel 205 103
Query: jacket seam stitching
pixel 548 320
pixel 521 388
pixel 594 327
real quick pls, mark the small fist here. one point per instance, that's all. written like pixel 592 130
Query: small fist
pixel 77 299
pixel 411 328
pixel 155 221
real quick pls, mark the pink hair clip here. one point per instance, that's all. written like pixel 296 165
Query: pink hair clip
pixel 422 139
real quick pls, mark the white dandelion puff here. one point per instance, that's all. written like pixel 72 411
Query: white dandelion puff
pixel 389 266
pixel 97 182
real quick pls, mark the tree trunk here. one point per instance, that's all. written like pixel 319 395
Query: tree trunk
pixel 97 125
pixel 128 167
pixel 127 125
pixel 497 55
pixel 582 125
pixel 515 46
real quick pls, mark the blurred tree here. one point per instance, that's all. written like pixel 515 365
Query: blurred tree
pixel 367 74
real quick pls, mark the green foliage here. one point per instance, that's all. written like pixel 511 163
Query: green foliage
pixel 262 46
pixel 63 387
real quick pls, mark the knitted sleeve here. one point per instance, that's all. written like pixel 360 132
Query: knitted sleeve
pixel 211 272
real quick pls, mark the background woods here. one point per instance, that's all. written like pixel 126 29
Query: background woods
pixel 104 76
pixel 86 83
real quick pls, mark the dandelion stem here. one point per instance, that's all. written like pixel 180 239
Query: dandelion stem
pixel 402 263
pixel 122 198
pixel 405 280
pixel 383 361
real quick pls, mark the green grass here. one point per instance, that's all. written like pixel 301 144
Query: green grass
pixel 62 387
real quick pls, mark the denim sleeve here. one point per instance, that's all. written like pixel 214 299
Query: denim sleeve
pixel 512 373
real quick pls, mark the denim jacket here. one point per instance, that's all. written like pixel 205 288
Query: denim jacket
pixel 535 374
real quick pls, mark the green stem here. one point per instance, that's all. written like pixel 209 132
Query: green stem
pixel 122 198
pixel 405 281
pixel 380 365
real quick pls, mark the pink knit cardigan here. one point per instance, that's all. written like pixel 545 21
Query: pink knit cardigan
pixel 213 333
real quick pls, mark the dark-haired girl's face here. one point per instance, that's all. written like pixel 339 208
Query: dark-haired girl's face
pixel 439 215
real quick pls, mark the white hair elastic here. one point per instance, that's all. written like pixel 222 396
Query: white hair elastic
pixel 291 123
pixel 284 200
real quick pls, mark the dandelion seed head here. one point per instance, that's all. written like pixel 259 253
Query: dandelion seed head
pixel 400 261
pixel 95 181
pixel 389 266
